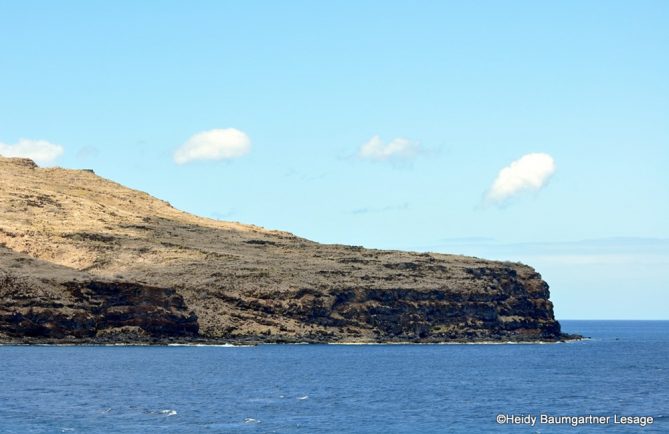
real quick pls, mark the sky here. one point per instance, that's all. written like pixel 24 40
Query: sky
pixel 518 130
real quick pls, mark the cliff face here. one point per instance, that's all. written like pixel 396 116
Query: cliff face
pixel 86 259
pixel 40 301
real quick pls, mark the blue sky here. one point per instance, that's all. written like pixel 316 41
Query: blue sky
pixel 383 124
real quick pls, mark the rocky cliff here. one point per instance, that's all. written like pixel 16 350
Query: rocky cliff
pixel 83 259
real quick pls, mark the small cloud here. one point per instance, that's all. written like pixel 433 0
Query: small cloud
pixel 388 208
pixel 218 144
pixel 398 148
pixel 467 240
pixel 87 153
pixel 223 215
pixel 530 172
pixel 40 151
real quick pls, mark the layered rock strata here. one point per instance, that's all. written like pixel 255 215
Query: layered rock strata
pixel 84 259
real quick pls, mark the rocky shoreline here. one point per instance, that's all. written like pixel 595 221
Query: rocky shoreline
pixel 565 338
pixel 84 260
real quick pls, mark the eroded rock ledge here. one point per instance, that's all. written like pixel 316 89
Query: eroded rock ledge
pixel 86 260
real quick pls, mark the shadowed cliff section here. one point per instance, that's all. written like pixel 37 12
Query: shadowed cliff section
pixel 48 303
pixel 86 259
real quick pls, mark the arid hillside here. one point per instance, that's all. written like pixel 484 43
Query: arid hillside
pixel 84 259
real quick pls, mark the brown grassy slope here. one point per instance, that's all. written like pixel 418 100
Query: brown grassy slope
pixel 246 282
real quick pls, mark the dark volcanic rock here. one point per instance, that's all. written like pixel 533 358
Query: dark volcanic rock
pixel 87 260
pixel 93 309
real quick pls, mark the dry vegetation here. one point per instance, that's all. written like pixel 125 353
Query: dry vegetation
pixel 241 282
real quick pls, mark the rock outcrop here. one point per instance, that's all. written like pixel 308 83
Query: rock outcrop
pixel 83 259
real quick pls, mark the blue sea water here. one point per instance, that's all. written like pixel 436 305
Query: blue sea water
pixel 622 370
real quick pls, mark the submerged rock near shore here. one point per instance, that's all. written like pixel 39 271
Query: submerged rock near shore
pixel 86 260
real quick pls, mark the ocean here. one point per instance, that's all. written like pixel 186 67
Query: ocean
pixel 621 372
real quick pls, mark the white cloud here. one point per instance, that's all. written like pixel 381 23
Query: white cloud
pixel 530 172
pixel 40 151
pixel 375 149
pixel 218 144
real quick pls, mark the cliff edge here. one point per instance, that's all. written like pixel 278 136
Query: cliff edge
pixel 84 259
